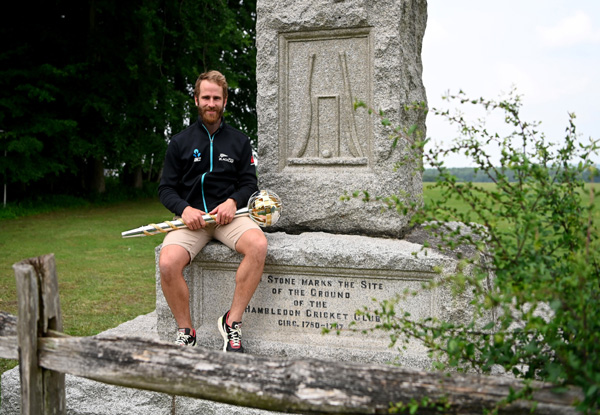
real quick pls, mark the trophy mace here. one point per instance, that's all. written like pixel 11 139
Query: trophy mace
pixel 264 208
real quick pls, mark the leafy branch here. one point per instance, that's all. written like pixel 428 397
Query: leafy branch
pixel 535 231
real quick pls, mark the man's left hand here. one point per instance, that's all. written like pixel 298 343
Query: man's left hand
pixel 225 212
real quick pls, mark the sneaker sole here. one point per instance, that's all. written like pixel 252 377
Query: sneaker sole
pixel 186 345
pixel 223 333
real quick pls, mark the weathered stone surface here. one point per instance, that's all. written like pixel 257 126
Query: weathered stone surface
pixel 422 235
pixel 87 397
pixel 310 281
pixel 314 60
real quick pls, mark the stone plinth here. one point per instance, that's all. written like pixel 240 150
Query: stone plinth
pixel 314 60
pixel 311 281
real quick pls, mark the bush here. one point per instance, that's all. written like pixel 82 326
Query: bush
pixel 538 238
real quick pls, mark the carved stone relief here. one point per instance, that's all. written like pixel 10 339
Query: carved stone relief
pixel 323 73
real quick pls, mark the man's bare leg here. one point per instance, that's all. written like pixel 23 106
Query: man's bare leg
pixel 173 259
pixel 253 245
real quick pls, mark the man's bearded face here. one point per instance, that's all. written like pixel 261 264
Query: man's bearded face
pixel 211 104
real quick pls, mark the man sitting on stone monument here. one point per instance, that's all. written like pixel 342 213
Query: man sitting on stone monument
pixel 209 168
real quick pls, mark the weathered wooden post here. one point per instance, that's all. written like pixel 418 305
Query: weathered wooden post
pixel 42 391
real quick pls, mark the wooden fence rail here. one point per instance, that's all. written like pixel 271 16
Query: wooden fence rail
pixel 307 386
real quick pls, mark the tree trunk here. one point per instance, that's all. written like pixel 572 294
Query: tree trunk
pixel 132 176
pixel 95 176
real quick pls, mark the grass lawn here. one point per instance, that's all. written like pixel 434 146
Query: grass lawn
pixel 103 279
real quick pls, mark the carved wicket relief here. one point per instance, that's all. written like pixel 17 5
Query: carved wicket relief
pixel 322 73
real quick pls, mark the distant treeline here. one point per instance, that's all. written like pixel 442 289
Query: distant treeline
pixel 469 174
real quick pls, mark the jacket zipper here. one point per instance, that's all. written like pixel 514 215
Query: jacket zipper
pixel 211 138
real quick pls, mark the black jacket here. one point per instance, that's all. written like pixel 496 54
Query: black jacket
pixel 203 171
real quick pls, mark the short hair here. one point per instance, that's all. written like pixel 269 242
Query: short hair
pixel 212 76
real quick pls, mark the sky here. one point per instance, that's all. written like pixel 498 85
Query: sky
pixel 549 50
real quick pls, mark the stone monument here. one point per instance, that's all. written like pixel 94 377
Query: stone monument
pixel 315 59
pixel 328 257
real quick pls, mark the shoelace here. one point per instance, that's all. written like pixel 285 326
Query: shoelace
pixel 183 339
pixel 235 335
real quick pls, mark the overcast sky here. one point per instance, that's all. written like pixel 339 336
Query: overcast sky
pixel 548 49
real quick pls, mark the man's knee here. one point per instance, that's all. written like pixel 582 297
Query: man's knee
pixel 253 243
pixel 172 261
pixel 260 244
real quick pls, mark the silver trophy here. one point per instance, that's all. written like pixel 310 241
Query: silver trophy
pixel 264 208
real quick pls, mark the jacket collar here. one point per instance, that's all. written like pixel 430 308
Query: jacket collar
pixel 221 125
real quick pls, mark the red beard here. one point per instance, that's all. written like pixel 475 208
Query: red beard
pixel 210 118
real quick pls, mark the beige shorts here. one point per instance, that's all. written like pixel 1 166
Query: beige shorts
pixel 194 241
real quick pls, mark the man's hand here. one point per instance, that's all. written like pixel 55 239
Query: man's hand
pixel 193 218
pixel 225 212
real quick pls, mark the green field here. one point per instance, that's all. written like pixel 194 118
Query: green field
pixel 104 280
pixel 436 194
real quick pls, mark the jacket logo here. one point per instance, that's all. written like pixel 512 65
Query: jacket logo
pixel 225 157
pixel 197 155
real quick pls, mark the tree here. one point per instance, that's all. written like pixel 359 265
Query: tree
pixel 537 235
pixel 96 84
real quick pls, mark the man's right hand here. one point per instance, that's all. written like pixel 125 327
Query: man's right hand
pixel 193 218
